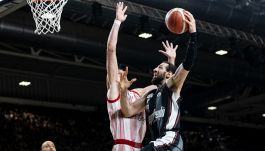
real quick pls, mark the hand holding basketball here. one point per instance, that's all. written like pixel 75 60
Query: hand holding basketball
pixel 120 12
pixel 179 21
pixel 189 19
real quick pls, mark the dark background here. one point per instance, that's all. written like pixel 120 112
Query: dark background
pixel 67 71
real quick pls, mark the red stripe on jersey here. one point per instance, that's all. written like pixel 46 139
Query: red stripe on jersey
pixel 113 101
pixel 135 93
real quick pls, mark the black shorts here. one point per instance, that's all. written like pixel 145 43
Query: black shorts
pixel 151 147
pixel 172 147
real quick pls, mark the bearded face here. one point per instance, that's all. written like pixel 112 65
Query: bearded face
pixel 156 80
pixel 159 74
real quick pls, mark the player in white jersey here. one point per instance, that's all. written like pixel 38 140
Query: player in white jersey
pixel 128 133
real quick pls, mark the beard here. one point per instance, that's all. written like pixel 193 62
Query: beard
pixel 157 80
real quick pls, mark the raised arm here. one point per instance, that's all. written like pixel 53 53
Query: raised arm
pixel 177 80
pixel 129 109
pixel 111 62
pixel 170 51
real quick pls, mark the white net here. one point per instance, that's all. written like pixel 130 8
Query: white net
pixel 47 15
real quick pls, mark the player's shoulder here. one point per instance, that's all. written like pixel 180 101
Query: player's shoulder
pixel 137 92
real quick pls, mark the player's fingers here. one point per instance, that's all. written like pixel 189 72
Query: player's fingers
pixel 124 9
pixel 187 16
pixel 167 43
pixel 187 21
pixel 187 12
pixel 133 80
pixel 163 52
pixel 126 71
pixel 176 47
pixel 164 45
pixel 121 77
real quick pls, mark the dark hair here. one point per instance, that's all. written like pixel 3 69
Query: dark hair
pixel 122 66
pixel 170 68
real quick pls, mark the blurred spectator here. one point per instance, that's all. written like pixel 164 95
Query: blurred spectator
pixel 48 146
pixel 25 128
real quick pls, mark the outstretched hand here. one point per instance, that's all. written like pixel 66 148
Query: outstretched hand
pixel 191 21
pixel 124 82
pixel 120 12
pixel 170 50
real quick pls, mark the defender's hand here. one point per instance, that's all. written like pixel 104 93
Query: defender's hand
pixel 124 82
pixel 120 12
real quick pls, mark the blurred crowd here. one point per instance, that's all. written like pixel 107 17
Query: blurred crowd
pixel 26 128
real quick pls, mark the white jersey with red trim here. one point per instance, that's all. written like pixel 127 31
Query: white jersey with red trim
pixel 132 129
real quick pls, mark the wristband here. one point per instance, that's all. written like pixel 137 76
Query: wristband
pixel 117 22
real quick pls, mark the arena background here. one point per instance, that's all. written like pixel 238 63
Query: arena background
pixel 66 101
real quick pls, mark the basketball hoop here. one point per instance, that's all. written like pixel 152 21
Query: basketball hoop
pixel 47 15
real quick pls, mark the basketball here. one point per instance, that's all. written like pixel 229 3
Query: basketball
pixel 175 21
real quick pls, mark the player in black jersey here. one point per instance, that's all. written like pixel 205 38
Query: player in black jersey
pixel 161 105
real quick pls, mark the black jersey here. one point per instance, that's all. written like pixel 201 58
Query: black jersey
pixel 163 114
